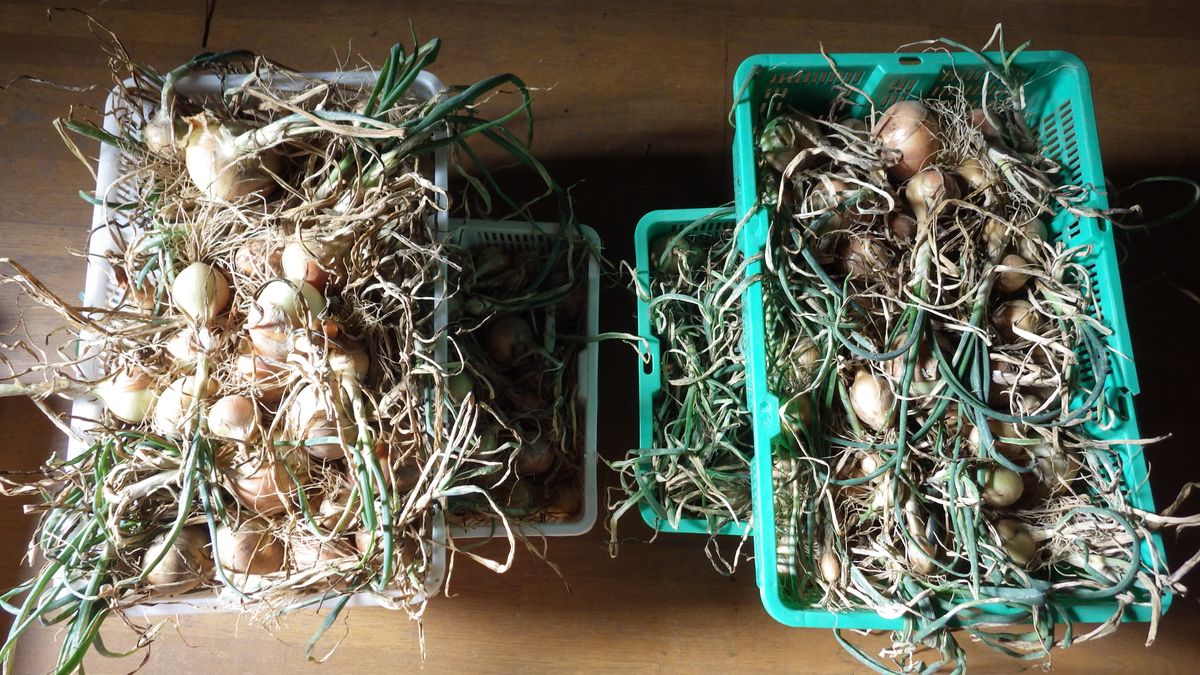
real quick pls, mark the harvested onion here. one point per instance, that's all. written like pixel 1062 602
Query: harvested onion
pixel 200 292
pixel 871 399
pixel 186 564
pixel 250 548
pixel 127 395
pixel 234 417
pixel 221 166
pixel 1001 487
pixel 909 128
pixel 1014 318
pixel 171 411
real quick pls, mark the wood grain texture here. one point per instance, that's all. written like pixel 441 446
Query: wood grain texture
pixel 631 107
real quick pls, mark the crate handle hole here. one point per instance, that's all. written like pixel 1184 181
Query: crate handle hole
pixel 910 60
pixel 647 364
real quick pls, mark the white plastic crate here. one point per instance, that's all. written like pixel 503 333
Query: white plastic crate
pixel 516 236
pixel 96 293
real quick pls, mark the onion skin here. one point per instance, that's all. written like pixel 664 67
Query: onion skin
pixel 234 417
pixel 171 409
pixel 216 165
pixel 186 565
pixel 927 190
pixel 127 395
pixel 566 505
pixel 534 458
pixel 920 556
pixel 910 128
pixel 831 567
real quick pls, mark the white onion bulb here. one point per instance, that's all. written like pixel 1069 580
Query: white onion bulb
pixel 176 401
pixel 219 167
pixel 200 292
pixel 127 395
pixel 871 399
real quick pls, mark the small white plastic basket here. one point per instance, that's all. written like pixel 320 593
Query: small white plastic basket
pixel 96 293
pixel 522 235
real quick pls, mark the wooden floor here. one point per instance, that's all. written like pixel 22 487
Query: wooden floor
pixel 632 110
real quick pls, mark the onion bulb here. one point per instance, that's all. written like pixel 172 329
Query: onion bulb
pixel 1032 237
pixel 995 238
pixel 920 555
pixel 259 257
pixel 927 190
pixel 261 484
pixel 797 412
pixel 1010 281
pixel 566 504
pixel 871 399
pixel 189 343
pixel 270 380
pixel 859 256
pixel 978 118
pixel 222 167
pixel 312 260
pixel 830 566
pixel 783 138
pixel 234 417
pixel 318 412
pixel 127 395
pixel 200 292
pixel 250 548
pixel 667 253
pixel 308 552
pixel 1015 317
pixel 295 304
pixel 508 339
pixel 344 358
pixel 1001 487
pixel 176 401
pixel 1055 468
pixel 534 457
pixel 1016 540
pixel 909 128
pixel 972 172
pixel 186 564
pixel 902 225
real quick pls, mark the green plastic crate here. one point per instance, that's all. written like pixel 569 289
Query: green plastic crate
pixel 1059 104
pixel 649 380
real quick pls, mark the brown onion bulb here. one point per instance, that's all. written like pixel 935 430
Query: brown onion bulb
pixel 262 486
pixel 250 548
pixel 1011 281
pixel 927 190
pixel 1016 315
pixel 186 564
pixel 911 129
pixel 508 339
